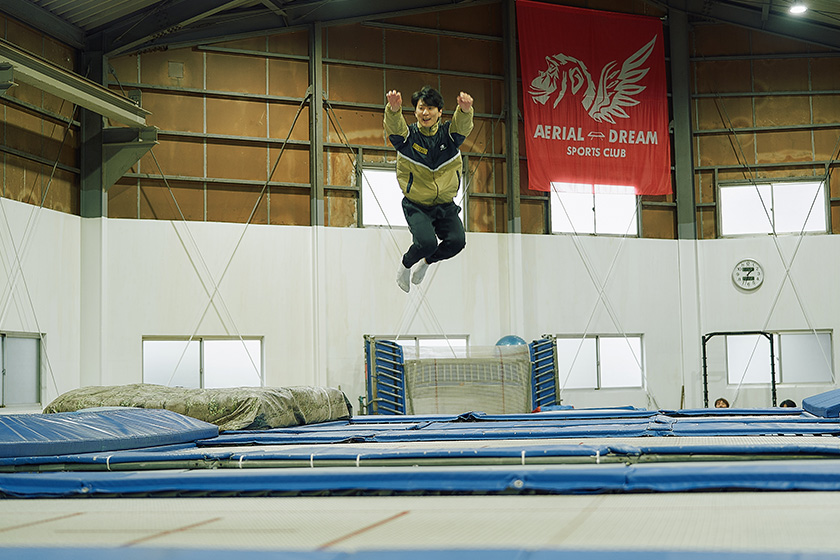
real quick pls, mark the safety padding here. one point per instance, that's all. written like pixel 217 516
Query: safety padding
pixel 97 431
pixel 825 404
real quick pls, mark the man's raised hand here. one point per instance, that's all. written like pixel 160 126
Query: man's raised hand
pixel 465 102
pixel 394 100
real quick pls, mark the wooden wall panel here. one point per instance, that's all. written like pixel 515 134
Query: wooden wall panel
pixel 357 85
pixel 234 203
pixel 826 109
pixel 409 82
pixel 704 187
pixel 176 156
pixel 787 146
pixel 293 166
pixel 706 223
pixel 533 216
pixel 765 43
pixel 659 223
pixel 157 202
pixel 289 206
pixel 123 199
pixel 780 74
pixel 236 160
pixel 722 76
pixel 171 111
pixel 281 118
pixel 166 68
pixel 340 208
pixel 480 20
pixel 782 110
pixel 237 117
pixel 826 145
pixel 127 69
pixel 726 149
pixel 719 39
pixel 825 74
pixel 341 167
pixel 358 126
pixel 717 113
pixel 355 42
pixel 24 131
pixel 238 73
pixel 23 180
pixel 288 78
pixel 62 193
pixel 466 55
pixel 403 48
pixel 483 177
pixel 487 215
pixel 294 42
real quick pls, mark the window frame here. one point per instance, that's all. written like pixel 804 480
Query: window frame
pixel 722 185
pixel 778 350
pixel 598 362
pixel 417 338
pixel 201 352
pixel 39 377
pixel 552 202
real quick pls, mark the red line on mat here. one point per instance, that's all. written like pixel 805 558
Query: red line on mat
pixel 31 523
pixel 362 530
pixel 170 532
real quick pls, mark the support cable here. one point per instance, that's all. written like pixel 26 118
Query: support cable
pixel 750 176
pixel 602 296
pixel 235 249
pixel 17 266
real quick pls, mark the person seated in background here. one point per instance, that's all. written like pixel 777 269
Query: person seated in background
pixel 721 403
pixel 787 403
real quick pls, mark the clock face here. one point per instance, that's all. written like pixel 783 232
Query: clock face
pixel 748 274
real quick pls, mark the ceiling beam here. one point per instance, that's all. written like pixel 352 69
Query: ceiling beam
pixel 167 18
pixel 776 23
pixel 64 84
pixel 35 16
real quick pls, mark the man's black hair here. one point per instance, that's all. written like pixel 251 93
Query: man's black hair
pixel 430 97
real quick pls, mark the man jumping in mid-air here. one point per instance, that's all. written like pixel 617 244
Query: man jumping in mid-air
pixel 429 174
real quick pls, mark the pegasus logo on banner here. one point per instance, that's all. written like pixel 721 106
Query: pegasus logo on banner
pixel 606 101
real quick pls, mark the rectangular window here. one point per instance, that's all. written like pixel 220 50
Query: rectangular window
pixel 600 209
pixel 20 360
pixel 431 346
pixel 600 362
pixel 791 207
pixel 800 357
pixel 382 199
pixel 208 363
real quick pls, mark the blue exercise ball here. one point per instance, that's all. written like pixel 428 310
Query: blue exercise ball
pixel 511 340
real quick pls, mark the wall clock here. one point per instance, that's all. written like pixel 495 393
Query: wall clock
pixel 748 274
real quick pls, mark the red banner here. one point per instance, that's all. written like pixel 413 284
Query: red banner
pixel 596 107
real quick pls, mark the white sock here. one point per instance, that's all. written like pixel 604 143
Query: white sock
pixel 403 274
pixel 419 271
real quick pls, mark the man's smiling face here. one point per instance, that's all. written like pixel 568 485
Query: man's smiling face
pixel 427 115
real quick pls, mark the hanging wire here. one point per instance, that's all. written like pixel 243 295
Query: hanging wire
pixel 422 297
pixel 28 228
pixel 602 296
pixel 235 249
pixel 750 176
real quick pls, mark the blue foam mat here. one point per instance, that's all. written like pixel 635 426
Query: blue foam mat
pixel 825 404
pixel 402 554
pixel 100 430
pixel 555 479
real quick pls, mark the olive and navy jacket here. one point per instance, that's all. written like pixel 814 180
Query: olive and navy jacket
pixel 428 159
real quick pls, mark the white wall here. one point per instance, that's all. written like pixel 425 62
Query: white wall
pixel 99 285
pixel 40 283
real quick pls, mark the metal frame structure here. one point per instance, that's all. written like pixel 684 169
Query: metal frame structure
pixel 709 336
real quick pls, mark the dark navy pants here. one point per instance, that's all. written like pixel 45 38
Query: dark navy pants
pixel 428 224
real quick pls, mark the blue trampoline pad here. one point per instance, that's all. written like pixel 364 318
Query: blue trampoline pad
pixel 790 475
pixel 99 430
pixel 402 554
